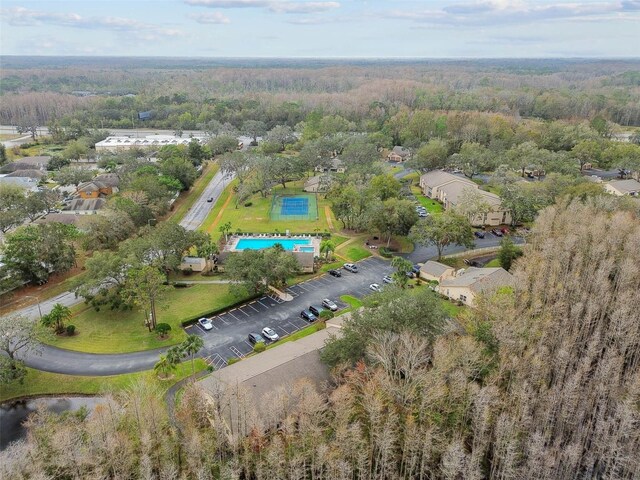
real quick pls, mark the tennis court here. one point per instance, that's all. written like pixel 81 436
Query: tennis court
pixel 294 207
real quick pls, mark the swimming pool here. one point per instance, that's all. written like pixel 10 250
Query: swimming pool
pixel 261 243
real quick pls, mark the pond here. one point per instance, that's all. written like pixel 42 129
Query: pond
pixel 12 414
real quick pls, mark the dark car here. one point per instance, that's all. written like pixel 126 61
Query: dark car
pixel 308 316
pixel 479 233
pixel 316 310
pixel 416 269
pixel 335 273
pixel 496 232
pixel 210 199
pixel 255 338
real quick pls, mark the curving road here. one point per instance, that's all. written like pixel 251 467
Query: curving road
pixel 201 208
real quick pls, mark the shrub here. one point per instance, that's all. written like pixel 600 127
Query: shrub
pixel 326 315
pixel 180 285
pixel 71 330
pixel 384 251
pixel 163 328
pixel 259 347
pixel 248 204
pixel 232 360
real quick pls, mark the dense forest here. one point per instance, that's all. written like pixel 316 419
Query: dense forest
pixel 541 382
pixel 108 92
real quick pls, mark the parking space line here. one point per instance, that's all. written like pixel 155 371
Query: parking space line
pixel 250 346
pixel 254 309
pixel 236 352
pixel 300 286
pixel 223 320
pixel 230 313
pixel 263 304
pixel 240 310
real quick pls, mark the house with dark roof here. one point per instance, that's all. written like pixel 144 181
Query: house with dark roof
pixel 28 173
pixel 399 154
pixel 27 163
pixel 84 206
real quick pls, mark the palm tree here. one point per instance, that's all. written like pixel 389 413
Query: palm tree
pixel 164 367
pixel 56 317
pixel 326 247
pixel 190 347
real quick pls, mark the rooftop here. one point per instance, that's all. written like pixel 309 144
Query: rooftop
pixel 436 178
pixel 85 204
pixel 626 186
pixel 435 269
pixel 480 279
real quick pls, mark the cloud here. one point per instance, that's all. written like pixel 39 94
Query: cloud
pixel 509 12
pixel 23 17
pixel 274 6
pixel 210 18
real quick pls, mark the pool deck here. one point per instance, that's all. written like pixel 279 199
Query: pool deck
pixel 311 241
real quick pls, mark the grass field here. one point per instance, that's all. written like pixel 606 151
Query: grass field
pixel 255 218
pixel 187 199
pixel 353 302
pixel 299 334
pixel 118 332
pixel 493 263
pixel 431 205
pixel 45 383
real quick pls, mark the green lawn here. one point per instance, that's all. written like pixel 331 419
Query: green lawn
pixel 493 263
pixel 117 332
pixel 190 197
pixel 45 383
pixel 432 206
pixel 353 302
pixel 255 218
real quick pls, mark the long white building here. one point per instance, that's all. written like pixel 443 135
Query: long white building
pixel 118 143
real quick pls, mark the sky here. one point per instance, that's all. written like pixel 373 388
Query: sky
pixel 318 28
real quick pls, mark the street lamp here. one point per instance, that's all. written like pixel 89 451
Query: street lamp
pixel 38 300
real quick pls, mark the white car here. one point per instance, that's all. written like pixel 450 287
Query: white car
pixel 205 323
pixel 388 279
pixel 270 334
pixel 330 304
pixel 375 287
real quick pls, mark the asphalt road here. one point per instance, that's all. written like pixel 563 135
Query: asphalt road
pixel 201 208
pixel 228 338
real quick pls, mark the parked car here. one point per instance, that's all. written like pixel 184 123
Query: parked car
pixel 335 273
pixel 479 233
pixel 423 214
pixel 387 279
pixel 270 334
pixel 375 287
pixel 316 310
pixel 504 230
pixel 496 232
pixel 255 338
pixel 350 267
pixel 330 304
pixel 416 269
pixel 308 316
pixel 210 199
pixel 205 323
pixel 411 274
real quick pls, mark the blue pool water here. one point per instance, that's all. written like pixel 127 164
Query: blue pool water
pixel 307 249
pixel 260 243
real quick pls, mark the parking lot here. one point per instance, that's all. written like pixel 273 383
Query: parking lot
pixel 228 338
